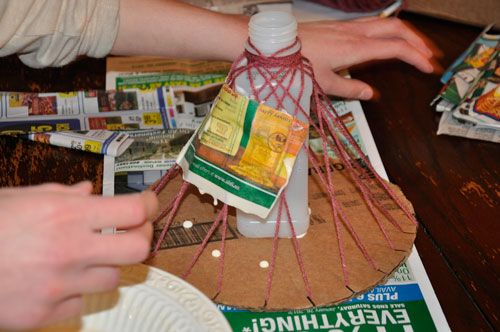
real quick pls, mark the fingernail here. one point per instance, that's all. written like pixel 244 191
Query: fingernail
pixel 366 94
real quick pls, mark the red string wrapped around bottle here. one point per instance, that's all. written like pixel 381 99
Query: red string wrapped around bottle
pixel 277 71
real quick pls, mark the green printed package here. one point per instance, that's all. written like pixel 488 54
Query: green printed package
pixel 243 153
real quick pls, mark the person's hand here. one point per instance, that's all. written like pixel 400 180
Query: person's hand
pixel 330 45
pixel 52 252
pixel 335 45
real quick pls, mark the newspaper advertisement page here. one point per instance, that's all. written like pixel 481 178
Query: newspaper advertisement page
pixel 85 119
pixel 405 303
pixel 151 154
pixel 193 85
pixel 470 98
pixel 448 125
pixel 96 141
pixel 84 110
pixel 147 72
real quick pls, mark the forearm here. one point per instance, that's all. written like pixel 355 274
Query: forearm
pixel 175 29
pixel 53 33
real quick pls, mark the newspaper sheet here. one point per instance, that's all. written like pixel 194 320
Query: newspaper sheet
pixel 448 125
pixel 96 141
pixel 405 303
pixel 470 99
pixel 192 85
pixel 87 120
pixel 128 109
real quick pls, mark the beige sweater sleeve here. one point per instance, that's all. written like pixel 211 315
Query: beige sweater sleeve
pixel 54 32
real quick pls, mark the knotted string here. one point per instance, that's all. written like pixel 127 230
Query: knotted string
pixel 277 69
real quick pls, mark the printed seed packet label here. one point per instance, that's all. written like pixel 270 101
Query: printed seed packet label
pixel 243 153
pixel 223 129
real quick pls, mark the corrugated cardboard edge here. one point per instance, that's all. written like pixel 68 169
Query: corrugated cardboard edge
pixel 244 282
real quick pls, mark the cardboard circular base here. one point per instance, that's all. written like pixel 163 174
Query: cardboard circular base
pixel 244 280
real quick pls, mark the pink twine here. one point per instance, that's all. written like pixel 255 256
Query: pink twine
pixel 222 251
pixel 170 220
pixel 298 253
pixel 335 216
pixel 165 179
pixel 222 214
pixel 275 69
pixel 274 254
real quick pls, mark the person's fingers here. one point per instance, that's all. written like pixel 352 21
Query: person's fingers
pixel 125 211
pixel 84 188
pixel 67 308
pixel 129 247
pixel 392 28
pixel 382 49
pixel 367 18
pixel 337 85
pixel 94 279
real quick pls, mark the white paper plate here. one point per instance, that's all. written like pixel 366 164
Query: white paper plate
pixel 148 299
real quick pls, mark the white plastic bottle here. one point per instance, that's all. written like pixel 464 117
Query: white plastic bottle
pixel 270 32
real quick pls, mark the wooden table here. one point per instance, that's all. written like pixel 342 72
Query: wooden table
pixel 453 182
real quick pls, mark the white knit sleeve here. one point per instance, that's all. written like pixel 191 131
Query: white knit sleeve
pixel 54 32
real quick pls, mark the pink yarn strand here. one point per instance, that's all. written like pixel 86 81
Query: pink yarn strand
pixel 220 274
pixel 203 244
pixel 296 248
pixel 165 179
pixel 276 69
pixel 345 132
pixel 336 220
pixel 274 254
pixel 347 223
pixel 171 216
pixel 365 192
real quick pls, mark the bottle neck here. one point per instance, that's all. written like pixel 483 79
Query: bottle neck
pixel 272 31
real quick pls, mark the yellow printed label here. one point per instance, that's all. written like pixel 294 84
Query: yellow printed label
pixel 152 119
pixel 92 146
pixel 255 142
pixel 149 88
pixel 67 94
pixel 16 99
pixel 169 101
pixel 115 126
pixel 41 128
pixel 223 129
pixel 62 126
pixel 275 135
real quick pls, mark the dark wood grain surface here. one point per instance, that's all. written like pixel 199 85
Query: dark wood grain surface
pixel 453 182
pixel 25 163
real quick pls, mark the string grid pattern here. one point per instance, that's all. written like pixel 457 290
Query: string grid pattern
pixel 278 71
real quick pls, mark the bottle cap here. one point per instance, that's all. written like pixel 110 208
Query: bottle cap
pixel 271 31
